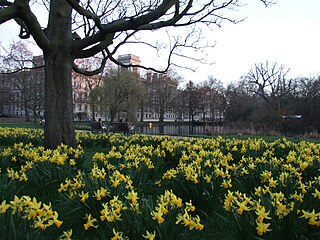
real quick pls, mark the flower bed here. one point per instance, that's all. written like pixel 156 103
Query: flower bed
pixel 140 187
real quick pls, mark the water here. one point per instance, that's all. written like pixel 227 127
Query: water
pixel 180 129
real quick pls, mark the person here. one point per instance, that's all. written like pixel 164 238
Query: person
pixel 100 122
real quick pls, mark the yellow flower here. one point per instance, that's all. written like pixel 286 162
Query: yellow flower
pixel 207 178
pixel 161 207
pixel 262 227
pixel 90 222
pixel 262 214
pixel 312 216
pixel 117 235
pixel 66 235
pixel 281 210
pixel 4 206
pixel 272 182
pixel 132 196
pixel 242 206
pixel 55 220
pixel 39 223
pixel 150 236
pixel 83 196
pixel 16 204
pixel 157 216
pixel 226 183
pixel 198 225
pixel 190 207
pixel 316 194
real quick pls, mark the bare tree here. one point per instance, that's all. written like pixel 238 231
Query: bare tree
pixel 191 99
pixel 28 83
pixel 308 97
pixel 83 85
pixel 213 99
pixel 162 89
pixel 269 81
pixel 105 27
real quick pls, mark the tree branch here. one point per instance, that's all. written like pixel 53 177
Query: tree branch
pixel 30 20
pixel 133 65
pixel 7 11
pixel 91 72
pixel 86 13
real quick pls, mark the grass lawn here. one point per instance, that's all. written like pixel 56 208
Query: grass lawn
pixel 20 125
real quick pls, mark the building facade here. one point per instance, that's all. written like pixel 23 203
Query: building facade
pixel 22 95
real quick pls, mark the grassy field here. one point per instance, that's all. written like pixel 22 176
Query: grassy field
pixel 19 123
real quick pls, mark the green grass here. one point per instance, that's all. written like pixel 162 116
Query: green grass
pixel 78 126
pixel 20 125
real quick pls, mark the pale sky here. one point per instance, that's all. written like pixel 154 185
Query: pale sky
pixel 287 33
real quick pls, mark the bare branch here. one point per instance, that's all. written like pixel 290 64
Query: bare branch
pixel 133 65
pixel 91 72
pixel 85 13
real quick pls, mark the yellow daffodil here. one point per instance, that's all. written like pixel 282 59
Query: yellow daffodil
pixel 4 206
pixel 91 222
pixel 66 235
pixel 262 214
pixel 262 227
pixel 150 236
pixel 157 215
pixel 316 194
pixel 83 196
pixel 117 235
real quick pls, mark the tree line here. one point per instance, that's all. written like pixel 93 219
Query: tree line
pixel 263 100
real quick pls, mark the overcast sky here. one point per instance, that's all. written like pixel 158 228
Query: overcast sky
pixel 287 33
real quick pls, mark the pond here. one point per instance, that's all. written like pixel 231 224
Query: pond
pixel 178 129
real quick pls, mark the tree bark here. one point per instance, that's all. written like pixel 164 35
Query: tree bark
pixel 141 112
pixel 26 110
pixel 59 126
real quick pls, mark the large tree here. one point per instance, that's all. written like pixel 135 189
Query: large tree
pixel 121 89
pixel 162 90
pixel 106 26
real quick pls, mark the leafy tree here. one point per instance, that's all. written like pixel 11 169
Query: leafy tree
pixel 105 26
pixel 121 88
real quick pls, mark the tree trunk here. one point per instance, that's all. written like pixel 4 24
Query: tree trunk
pixel 59 127
pixel 26 111
pixel 34 116
pixel 93 111
pixel 161 114
pixel 113 113
pixel 141 113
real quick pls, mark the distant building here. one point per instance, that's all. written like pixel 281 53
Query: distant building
pixel 161 101
pixel 130 59
pixel 22 93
